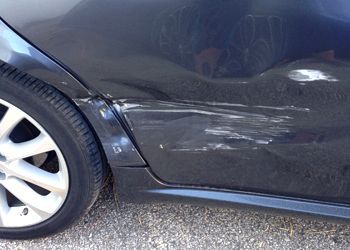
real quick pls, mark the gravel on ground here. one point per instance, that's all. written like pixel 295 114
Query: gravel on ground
pixel 183 226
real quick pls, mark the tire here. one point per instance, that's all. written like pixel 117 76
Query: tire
pixel 74 139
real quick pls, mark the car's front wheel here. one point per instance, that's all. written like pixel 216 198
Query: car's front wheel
pixel 50 164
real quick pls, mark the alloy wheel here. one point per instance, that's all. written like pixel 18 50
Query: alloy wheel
pixel 34 179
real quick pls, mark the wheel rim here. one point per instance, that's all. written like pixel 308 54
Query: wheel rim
pixel 32 188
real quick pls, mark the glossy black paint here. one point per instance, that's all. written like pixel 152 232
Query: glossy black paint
pixel 17 52
pixel 249 96
pixel 117 144
pixel 25 57
pixel 145 187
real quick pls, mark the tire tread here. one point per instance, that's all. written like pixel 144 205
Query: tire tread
pixel 71 114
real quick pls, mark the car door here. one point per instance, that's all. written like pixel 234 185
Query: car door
pixel 249 96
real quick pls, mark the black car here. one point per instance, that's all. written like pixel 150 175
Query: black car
pixel 227 102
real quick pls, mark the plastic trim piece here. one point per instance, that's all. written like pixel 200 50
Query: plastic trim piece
pixel 118 147
pixel 140 185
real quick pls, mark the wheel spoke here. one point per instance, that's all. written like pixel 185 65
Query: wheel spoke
pixel 9 121
pixel 41 144
pixel 28 196
pixel 4 208
pixel 35 175
pixel 38 193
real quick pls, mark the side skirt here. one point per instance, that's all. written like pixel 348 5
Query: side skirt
pixel 134 184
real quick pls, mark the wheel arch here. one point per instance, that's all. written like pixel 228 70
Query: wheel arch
pixel 17 52
pixel 20 53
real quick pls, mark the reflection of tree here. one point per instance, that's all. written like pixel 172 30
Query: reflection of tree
pixel 173 35
pixel 219 42
pixel 242 38
pixel 255 44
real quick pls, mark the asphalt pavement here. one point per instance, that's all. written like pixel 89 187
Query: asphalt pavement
pixel 182 226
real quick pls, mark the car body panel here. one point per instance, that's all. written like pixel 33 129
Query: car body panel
pixel 17 52
pixel 145 187
pixel 249 96
pixel 117 143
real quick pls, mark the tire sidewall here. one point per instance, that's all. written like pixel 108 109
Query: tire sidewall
pixel 72 147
